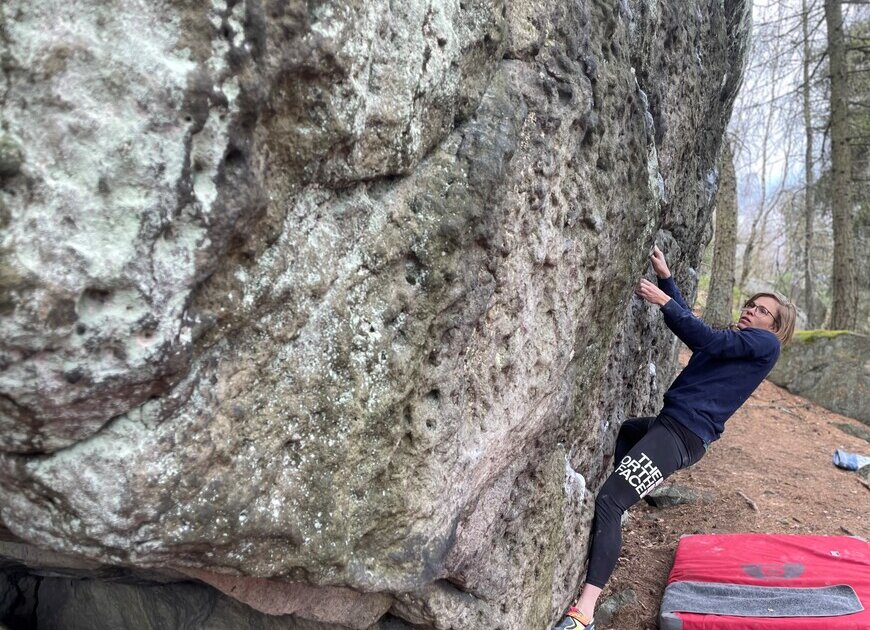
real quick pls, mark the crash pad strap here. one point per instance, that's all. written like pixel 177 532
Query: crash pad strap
pixel 744 600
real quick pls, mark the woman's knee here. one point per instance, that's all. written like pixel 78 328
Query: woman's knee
pixel 629 434
pixel 631 430
pixel 607 505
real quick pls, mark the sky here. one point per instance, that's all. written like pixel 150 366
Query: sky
pixel 769 103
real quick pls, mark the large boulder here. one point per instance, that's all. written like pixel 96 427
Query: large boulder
pixel 338 293
pixel 831 368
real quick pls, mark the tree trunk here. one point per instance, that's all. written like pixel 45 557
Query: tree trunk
pixel 718 309
pixel 749 250
pixel 844 306
pixel 809 291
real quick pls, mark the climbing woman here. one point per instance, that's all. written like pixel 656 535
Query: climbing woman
pixel 725 368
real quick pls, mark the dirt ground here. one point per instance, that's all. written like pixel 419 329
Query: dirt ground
pixel 770 472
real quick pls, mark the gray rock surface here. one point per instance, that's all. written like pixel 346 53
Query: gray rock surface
pixel 670 495
pixel 854 429
pixel 18 599
pixel 7 595
pixel 327 604
pixel 832 369
pixel 338 293
pixel 94 605
pixel 20 557
pixel 608 608
pixel 87 604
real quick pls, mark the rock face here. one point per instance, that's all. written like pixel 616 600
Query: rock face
pixel 339 292
pixel 85 604
pixel 831 369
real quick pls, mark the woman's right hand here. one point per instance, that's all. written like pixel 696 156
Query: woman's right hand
pixel 657 258
pixel 651 293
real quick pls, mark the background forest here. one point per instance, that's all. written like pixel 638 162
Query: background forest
pixel 792 212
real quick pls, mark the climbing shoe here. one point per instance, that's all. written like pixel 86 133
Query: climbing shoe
pixel 575 620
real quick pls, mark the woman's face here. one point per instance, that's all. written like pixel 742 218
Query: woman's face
pixel 762 314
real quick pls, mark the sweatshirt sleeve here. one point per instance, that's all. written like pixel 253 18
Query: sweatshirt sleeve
pixel 670 288
pixel 725 344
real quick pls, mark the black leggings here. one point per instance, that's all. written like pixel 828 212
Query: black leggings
pixel 647 451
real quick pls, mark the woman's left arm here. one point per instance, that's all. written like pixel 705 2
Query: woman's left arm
pixel 669 287
pixel 726 344
pixel 695 333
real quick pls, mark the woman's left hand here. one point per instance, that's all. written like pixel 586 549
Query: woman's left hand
pixel 651 293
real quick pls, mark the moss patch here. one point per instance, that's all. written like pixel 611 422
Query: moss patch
pixel 812 335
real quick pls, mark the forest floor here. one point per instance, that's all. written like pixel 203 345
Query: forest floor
pixel 771 472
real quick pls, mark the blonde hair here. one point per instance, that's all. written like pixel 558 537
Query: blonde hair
pixel 785 317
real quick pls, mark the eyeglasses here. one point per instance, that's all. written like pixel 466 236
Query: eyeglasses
pixel 758 309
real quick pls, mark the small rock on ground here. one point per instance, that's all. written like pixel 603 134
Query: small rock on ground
pixel 671 495
pixel 608 608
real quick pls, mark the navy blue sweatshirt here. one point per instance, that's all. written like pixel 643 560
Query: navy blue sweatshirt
pixel 725 368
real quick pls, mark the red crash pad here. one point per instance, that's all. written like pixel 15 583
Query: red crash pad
pixel 772 560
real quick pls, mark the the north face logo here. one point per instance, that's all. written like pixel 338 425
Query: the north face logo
pixel 641 474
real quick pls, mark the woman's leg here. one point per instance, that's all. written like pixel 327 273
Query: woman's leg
pixel 630 433
pixel 665 447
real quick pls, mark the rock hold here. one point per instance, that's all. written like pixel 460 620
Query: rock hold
pixel 10 156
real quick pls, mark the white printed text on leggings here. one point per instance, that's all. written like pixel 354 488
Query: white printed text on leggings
pixel 641 474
